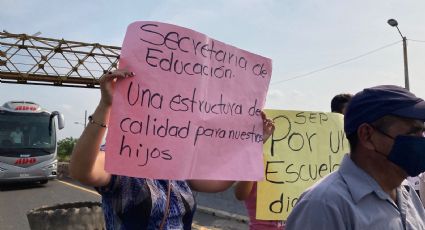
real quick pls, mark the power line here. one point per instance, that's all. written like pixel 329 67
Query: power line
pixel 333 65
pixel 413 40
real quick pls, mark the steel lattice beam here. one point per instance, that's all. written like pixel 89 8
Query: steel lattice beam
pixel 36 60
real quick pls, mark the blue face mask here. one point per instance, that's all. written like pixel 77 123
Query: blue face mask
pixel 408 152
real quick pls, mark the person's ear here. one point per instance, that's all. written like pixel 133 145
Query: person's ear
pixel 364 133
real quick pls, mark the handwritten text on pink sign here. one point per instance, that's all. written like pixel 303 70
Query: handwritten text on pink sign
pixel 191 112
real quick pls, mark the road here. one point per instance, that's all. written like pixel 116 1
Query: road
pixel 17 199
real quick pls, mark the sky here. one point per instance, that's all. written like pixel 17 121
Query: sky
pixel 319 48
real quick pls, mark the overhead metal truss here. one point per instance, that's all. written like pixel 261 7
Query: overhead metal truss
pixel 26 59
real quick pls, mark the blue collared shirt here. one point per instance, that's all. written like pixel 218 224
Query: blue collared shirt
pixel 351 199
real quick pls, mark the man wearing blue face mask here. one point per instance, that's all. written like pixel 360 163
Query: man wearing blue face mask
pixel 385 128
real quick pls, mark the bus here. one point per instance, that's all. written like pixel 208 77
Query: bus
pixel 28 144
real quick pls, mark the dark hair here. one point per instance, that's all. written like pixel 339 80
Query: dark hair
pixel 339 102
pixel 353 139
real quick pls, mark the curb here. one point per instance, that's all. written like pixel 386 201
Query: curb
pixel 223 214
pixel 67 216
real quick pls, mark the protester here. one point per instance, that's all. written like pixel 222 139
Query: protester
pixel 413 182
pixel 247 191
pixel 132 203
pixel 422 187
pixel 384 126
pixel 339 103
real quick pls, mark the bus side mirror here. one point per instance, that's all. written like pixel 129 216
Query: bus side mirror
pixel 61 119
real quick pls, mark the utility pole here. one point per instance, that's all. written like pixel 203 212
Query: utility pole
pixel 406 70
pixel 394 23
pixel 85 118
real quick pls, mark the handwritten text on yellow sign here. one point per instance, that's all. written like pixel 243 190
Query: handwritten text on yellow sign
pixel 305 147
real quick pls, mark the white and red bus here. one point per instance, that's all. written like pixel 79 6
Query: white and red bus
pixel 28 144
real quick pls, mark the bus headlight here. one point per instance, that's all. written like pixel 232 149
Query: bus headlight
pixel 2 169
pixel 53 165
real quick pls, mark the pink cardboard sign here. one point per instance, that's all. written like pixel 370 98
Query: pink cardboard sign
pixel 192 111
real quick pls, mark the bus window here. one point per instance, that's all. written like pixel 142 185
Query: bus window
pixel 6 143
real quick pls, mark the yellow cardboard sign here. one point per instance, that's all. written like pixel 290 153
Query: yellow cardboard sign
pixel 305 147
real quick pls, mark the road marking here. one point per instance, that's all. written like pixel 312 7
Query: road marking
pixel 79 187
pixel 199 227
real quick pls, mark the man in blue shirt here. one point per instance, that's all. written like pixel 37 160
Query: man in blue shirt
pixel 385 128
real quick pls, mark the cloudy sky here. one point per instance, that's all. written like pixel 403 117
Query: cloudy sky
pixel 318 48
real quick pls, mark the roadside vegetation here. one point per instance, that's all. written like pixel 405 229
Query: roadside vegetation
pixel 65 147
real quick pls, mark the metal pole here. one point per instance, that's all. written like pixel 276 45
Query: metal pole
pixel 406 70
pixel 85 118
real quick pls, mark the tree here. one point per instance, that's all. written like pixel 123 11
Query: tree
pixel 65 147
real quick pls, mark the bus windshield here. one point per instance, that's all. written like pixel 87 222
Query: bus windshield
pixel 26 131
